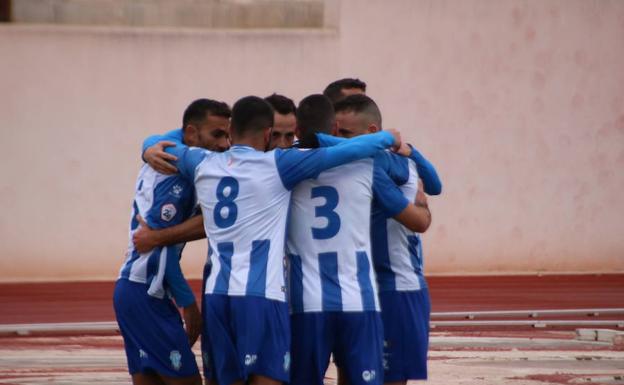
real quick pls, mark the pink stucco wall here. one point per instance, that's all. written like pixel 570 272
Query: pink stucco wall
pixel 519 104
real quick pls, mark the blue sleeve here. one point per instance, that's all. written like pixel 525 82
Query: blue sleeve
pixel 329 140
pixel 296 165
pixel 188 159
pixel 431 181
pixel 396 166
pixel 387 195
pixel 173 136
pixel 176 282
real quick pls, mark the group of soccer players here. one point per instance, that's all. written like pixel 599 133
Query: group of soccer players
pixel 313 246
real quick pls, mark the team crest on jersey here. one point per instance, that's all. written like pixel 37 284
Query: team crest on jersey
pixel 176 190
pixel 176 359
pixel 167 212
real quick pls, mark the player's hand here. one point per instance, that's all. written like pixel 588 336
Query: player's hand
pixel 404 150
pixel 156 157
pixel 397 138
pixel 421 198
pixel 192 322
pixel 144 238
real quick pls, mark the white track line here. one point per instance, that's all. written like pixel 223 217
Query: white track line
pixel 537 324
pixel 528 313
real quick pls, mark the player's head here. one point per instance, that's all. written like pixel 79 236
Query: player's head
pixel 342 88
pixel 357 115
pixel 206 123
pixel 252 117
pixel 315 114
pixel 285 122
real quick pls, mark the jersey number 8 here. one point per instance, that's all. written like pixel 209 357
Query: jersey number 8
pixel 230 185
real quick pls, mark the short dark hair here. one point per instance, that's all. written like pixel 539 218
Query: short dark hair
pixel 314 114
pixel 197 111
pixel 360 104
pixel 282 104
pixel 334 90
pixel 250 115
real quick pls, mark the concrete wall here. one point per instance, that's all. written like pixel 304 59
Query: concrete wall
pixel 519 104
pixel 173 13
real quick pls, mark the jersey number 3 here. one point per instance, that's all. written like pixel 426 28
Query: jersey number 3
pixel 326 211
pixel 227 191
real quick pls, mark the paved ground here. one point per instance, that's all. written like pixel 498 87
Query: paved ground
pixel 552 357
pixel 516 355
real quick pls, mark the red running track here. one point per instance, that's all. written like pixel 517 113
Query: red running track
pixel 91 301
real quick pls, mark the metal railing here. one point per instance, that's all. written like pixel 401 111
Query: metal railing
pixel 461 319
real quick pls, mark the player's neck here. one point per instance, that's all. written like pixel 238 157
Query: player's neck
pixel 256 142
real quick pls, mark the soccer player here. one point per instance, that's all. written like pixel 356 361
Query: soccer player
pixel 157 347
pixel 397 255
pixel 244 194
pixel 283 134
pixel 342 88
pixel 333 295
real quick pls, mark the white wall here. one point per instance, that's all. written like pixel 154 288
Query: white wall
pixel 519 104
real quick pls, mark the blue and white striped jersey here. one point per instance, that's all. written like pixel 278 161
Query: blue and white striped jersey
pixel 397 251
pixel 245 195
pixel 328 241
pixel 162 201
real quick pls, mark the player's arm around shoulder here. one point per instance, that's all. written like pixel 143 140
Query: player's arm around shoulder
pixel 432 184
pixel 414 216
pixel 153 151
pixel 187 159
pixel 295 165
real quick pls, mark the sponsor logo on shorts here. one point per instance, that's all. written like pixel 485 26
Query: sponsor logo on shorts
pixel 176 190
pixel 142 353
pixel 176 359
pixel 167 212
pixel 250 359
pixel 287 361
pixel 368 375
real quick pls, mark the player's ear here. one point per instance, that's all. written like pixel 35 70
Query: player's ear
pixel 191 135
pixel 298 132
pixel 334 129
pixel 372 128
pixel 267 135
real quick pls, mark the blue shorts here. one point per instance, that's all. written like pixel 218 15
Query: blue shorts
pixel 153 332
pixel 246 335
pixel 405 316
pixel 355 339
pixel 206 357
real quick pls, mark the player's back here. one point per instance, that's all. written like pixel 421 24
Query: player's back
pixel 245 206
pixel 397 251
pixel 329 241
pixel 162 201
